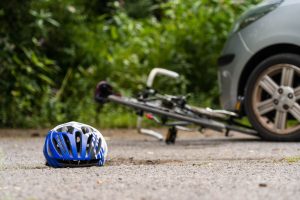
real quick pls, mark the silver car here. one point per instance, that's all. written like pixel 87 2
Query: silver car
pixel 259 69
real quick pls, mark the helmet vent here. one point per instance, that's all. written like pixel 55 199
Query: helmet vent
pixel 48 150
pixel 68 143
pixel 66 129
pixel 89 144
pixel 56 146
pixel 62 129
pixel 85 129
pixel 70 129
pixel 99 146
pixel 78 142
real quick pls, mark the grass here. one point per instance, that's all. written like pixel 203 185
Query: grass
pixel 293 159
pixel 121 117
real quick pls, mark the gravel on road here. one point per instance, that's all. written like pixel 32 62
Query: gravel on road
pixel 198 166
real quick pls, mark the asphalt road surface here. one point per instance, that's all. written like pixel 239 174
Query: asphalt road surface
pixel 198 166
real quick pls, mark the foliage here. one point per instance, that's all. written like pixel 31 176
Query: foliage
pixel 294 159
pixel 54 52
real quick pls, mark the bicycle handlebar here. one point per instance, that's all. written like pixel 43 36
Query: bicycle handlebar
pixel 156 71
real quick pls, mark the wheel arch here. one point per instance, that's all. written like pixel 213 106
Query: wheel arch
pixel 259 57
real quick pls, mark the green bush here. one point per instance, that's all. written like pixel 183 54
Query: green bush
pixel 54 52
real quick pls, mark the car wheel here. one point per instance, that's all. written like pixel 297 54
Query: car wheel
pixel 272 98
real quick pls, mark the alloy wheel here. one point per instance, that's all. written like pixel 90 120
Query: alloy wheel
pixel 276 99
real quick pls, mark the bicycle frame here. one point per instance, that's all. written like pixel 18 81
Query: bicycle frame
pixel 176 109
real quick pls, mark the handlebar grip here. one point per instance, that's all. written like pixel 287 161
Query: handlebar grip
pixel 103 90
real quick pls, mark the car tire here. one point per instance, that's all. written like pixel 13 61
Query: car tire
pixel 272 98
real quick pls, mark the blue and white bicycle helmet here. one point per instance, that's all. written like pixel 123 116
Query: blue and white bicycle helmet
pixel 74 144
